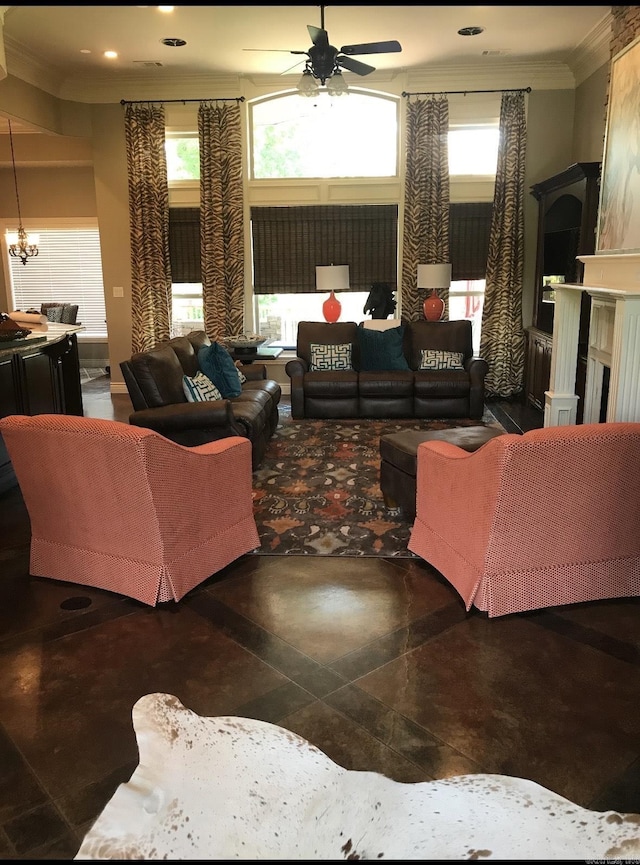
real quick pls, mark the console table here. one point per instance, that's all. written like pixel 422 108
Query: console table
pixel 40 376
pixel 248 355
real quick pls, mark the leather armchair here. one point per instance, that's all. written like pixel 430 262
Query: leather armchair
pixel 154 382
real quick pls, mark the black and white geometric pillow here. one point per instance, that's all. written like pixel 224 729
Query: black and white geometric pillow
pixel 330 357
pixel 433 359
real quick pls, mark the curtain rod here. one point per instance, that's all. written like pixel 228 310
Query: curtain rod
pixel 464 92
pixel 184 101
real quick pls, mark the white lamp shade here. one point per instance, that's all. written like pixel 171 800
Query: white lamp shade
pixel 332 277
pixel 434 275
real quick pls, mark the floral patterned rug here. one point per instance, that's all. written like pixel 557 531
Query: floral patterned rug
pixel 317 490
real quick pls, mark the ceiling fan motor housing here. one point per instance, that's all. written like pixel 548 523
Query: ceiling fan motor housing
pixel 323 61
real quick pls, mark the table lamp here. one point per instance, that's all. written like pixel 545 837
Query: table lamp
pixel 434 276
pixel 332 278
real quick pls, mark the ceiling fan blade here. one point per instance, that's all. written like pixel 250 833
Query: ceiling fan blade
pixel 295 65
pixel 278 50
pixel 372 48
pixel 319 37
pixel 355 65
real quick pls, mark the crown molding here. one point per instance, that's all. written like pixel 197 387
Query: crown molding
pixel 23 64
pixel 593 52
pixel 501 74
pixel 162 83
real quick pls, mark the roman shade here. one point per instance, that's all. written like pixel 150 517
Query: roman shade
pixel 288 243
pixel 469 227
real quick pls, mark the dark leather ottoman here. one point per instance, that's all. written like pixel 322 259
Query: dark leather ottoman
pixel 398 459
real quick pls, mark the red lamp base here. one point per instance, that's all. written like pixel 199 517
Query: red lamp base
pixel 433 307
pixel 331 309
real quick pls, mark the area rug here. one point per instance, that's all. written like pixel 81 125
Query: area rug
pixel 317 491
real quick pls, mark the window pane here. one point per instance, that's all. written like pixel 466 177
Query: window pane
pixel 348 136
pixel 187 307
pixel 183 157
pixel 278 314
pixel 466 299
pixel 473 150
pixel 67 269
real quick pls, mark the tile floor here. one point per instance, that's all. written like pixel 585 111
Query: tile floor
pixel 377 664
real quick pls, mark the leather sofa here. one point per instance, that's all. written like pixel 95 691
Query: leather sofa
pixel 154 382
pixel 391 393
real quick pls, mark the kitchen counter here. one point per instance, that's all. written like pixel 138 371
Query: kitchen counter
pixel 39 376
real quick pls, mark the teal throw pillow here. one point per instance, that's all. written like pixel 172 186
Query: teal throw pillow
pixel 381 349
pixel 215 362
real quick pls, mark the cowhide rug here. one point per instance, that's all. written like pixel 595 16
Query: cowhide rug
pixel 235 788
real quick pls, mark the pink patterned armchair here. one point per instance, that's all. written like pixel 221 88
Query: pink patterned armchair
pixel 122 508
pixel 528 521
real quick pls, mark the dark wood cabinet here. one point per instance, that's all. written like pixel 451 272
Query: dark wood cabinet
pixel 539 366
pixel 567 218
pixel 42 379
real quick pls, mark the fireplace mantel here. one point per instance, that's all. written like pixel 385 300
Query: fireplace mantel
pixel 613 281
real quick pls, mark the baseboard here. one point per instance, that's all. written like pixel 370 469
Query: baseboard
pixel 94 362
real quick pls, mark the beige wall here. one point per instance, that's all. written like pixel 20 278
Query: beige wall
pixel 71 187
pixel 590 117
pixel 110 166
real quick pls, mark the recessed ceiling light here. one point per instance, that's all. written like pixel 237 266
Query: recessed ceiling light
pixel 85 51
pixel 470 31
pixel 173 43
pixel 166 8
pixel 111 54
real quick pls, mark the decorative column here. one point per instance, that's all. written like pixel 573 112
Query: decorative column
pixel 561 400
pixel 624 387
pixel 613 281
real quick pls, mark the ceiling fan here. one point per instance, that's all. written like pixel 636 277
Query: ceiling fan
pixel 324 60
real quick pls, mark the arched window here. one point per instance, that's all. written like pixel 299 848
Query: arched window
pixel 353 135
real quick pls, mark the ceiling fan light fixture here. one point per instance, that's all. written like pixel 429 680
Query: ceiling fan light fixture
pixel 307 85
pixel 336 85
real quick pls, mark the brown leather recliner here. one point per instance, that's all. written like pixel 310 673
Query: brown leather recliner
pixel 393 393
pixel 154 382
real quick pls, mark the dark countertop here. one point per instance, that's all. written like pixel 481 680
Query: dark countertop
pixel 34 342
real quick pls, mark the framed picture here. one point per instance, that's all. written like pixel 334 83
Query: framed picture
pixel 619 213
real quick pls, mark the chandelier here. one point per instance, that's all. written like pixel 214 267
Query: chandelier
pixel 21 244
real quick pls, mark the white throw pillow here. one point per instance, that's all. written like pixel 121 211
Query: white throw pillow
pixel 330 356
pixel 200 388
pixel 431 358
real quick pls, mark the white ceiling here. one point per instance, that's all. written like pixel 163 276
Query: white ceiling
pixel 45 43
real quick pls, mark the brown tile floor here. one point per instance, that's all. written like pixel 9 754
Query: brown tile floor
pixel 374 661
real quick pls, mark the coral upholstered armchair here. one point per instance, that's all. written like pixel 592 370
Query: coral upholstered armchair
pixel 547 518
pixel 122 508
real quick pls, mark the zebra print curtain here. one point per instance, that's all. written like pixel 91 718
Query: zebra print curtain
pixel 502 334
pixel 426 198
pixel 221 218
pixel 149 226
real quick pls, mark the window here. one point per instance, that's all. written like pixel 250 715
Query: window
pixel 473 150
pixel 187 308
pixel 67 269
pixel 466 299
pixel 183 156
pixel 349 136
pixel 288 243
